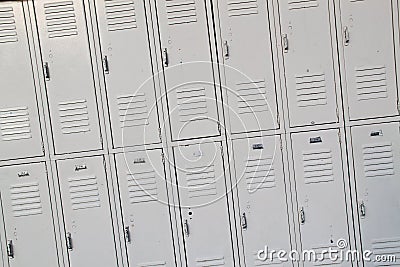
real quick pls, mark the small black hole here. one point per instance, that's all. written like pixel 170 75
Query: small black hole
pixel 190 213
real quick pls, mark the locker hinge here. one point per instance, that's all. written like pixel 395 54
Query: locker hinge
pixel 346 36
pixel 340 138
pixel 127 233
pixel 219 127
pixel 106 65
pixel 226 49
pixel 362 210
pixel 163 157
pixel 46 70
pixel 280 143
pixel 278 120
pixel 337 113
pixel 302 216
pixel 398 107
pixel 10 249
pixel 186 228
pixel 159 133
pixel 165 57
pixel 285 43
pixel 101 140
pixel 244 221
pixel 43 149
pixel 69 241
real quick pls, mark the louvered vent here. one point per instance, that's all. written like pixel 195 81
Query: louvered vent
pixel 251 97
pixel 378 159
pixel 15 124
pixel 74 117
pixel 142 186
pixel 25 199
pixel 120 15
pixel 181 11
pixel 302 4
pixel 242 7
pixel 8 29
pixel 201 181
pixel 318 166
pixel 259 174
pixel 84 192
pixel 192 104
pixel 311 90
pixel 210 261
pixel 60 19
pixel 133 110
pixel 371 82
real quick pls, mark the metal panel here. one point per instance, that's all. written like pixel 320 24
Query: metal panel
pixel 86 206
pixel 184 33
pixel 20 134
pixel 25 200
pixel 369 58
pixel 376 151
pixel 202 194
pixel 262 198
pixel 308 55
pixel 320 190
pixel 247 55
pixel 145 208
pixel 126 59
pixel 69 76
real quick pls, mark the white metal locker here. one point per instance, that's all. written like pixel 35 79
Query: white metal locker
pixel 309 63
pixel 26 208
pixel 145 208
pixel 184 33
pixel 202 194
pixel 247 54
pixel 128 72
pixel 369 50
pixel 69 75
pixel 376 151
pixel 20 134
pixel 86 208
pixel 320 190
pixel 262 197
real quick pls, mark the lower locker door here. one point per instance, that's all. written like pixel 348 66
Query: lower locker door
pixel 145 209
pixel 86 206
pixel 262 199
pixel 320 193
pixel 25 200
pixel 376 151
pixel 204 211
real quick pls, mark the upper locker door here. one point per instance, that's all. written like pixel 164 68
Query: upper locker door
pixel 28 216
pixel 203 200
pixel 376 150
pixel 69 75
pixel 19 119
pixel 369 51
pixel 262 197
pixel 188 70
pixel 87 217
pixel 145 208
pixel 249 73
pixel 309 63
pixel 128 72
pixel 320 191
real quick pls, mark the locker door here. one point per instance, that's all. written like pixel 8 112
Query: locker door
pixel 25 200
pixel 145 208
pixel 369 58
pixel 188 69
pixel 19 118
pixel 129 77
pixel 308 56
pixel 202 193
pixel 376 151
pixel 320 190
pixel 86 206
pixel 69 76
pixel 250 81
pixel 262 201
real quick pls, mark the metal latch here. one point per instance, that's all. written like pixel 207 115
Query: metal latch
pixel 226 50
pixel 346 36
pixel 127 233
pixel 244 221
pixel 46 70
pixel 69 241
pixel 186 228
pixel 285 43
pixel 106 65
pixel 362 209
pixel 165 57
pixel 10 249
pixel 302 216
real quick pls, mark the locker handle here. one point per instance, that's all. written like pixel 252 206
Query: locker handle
pixel 376 133
pixel 285 43
pixel 80 167
pixel 186 228
pixel 346 36
pixel 23 174
pixel 226 50
pixel 244 221
pixel 69 241
pixel 106 65
pixel 127 234
pixel 302 216
pixel 362 209
pixel 10 249
pixel 46 70
pixel 165 57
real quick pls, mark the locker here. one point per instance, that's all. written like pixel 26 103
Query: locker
pixel 203 204
pixel 262 197
pixel 19 118
pixel 188 69
pixel 69 75
pixel 308 59
pixel 128 72
pixel 320 190
pixel 26 211
pixel 376 151
pixel 369 55
pixel 86 208
pixel 248 65
pixel 146 213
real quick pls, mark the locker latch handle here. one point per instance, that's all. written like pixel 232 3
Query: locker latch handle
pixel 10 249
pixel 127 234
pixel 226 50
pixel 302 216
pixel 186 228
pixel 362 209
pixel 244 221
pixel 80 167
pixel 285 43
pixel 165 57
pixel 23 174
pixel 346 36
pixel 46 70
pixel 106 65
pixel 69 241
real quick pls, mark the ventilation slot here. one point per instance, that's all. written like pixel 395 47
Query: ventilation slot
pixel 121 15
pixel 302 4
pixel 8 30
pixel 60 19
pixel 74 117
pixel 132 110
pixel 371 83
pixel 259 174
pixel 152 264
pixel 15 124
pixel 378 160
pixel 323 257
pixel 251 97
pixel 142 186
pixel 181 12
pixel 242 7
pixel 84 192
pixel 25 199
pixel 318 166
pixel 201 181
pixel 215 262
pixel 385 247
pixel 192 104
pixel 311 90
